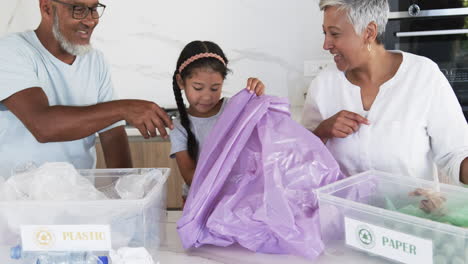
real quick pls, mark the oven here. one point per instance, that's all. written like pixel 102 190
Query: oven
pixel 437 29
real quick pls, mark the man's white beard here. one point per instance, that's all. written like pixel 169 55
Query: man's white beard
pixel 69 47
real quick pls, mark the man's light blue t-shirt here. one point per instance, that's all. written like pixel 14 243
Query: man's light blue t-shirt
pixel 25 63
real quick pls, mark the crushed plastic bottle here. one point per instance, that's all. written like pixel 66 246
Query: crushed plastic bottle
pixel 29 257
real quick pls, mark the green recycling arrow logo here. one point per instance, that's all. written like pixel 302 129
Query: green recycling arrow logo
pixel 365 236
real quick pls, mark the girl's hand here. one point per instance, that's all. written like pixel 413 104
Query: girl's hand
pixel 256 86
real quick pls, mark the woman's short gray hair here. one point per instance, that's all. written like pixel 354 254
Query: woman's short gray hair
pixel 362 12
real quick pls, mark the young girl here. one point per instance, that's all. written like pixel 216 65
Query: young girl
pixel 201 70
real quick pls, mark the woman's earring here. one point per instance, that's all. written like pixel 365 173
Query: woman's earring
pixel 369 47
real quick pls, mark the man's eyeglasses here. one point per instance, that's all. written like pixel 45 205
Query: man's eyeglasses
pixel 82 11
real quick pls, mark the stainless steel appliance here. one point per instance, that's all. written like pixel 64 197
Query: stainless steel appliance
pixel 437 29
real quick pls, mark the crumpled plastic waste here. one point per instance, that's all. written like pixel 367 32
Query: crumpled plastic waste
pixel 127 255
pixel 58 181
pixel 136 186
pixel 255 181
pixel 50 182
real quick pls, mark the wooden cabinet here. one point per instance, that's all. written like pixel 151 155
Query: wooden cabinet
pixel 153 154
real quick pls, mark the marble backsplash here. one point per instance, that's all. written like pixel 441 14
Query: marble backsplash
pixel 268 39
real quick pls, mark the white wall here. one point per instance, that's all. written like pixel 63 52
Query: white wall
pixel 142 39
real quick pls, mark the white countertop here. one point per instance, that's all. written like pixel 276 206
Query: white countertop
pixel 134 132
pixel 173 252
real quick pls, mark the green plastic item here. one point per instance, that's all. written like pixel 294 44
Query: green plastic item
pixel 454 214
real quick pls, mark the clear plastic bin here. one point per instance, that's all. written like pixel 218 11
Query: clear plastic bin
pixel 133 223
pixel 363 212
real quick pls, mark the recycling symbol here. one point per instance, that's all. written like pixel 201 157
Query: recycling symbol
pixel 365 236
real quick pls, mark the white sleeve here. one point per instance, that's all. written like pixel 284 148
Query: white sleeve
pixel 447 129
pixel 311 115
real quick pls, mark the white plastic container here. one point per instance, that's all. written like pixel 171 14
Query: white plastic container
pixel 355 215
pixel 133 222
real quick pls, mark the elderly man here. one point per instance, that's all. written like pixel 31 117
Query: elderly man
pixel 56 93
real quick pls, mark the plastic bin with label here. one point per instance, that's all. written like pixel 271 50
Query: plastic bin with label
pixel 133 222
pixel 361 213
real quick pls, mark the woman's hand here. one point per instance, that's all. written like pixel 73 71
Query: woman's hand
pixel 341 125
pixel 256 86
pixel 434 202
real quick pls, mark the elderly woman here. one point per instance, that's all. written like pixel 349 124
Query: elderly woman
pixel 386 110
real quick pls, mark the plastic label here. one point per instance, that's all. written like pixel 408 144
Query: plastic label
pixel 66 238
pixel 387 243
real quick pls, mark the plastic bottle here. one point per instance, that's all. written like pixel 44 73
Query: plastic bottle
pixel 26 257
pixel 56 257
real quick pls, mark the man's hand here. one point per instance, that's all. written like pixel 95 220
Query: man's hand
pixel 341 125
pixel 66 123
pixel 146 117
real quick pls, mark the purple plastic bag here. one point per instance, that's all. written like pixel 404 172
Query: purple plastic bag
pixel 255 180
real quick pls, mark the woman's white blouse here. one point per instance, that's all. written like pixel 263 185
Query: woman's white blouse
pixel 416 122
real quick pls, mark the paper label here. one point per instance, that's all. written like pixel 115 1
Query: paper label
pixel 388 243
